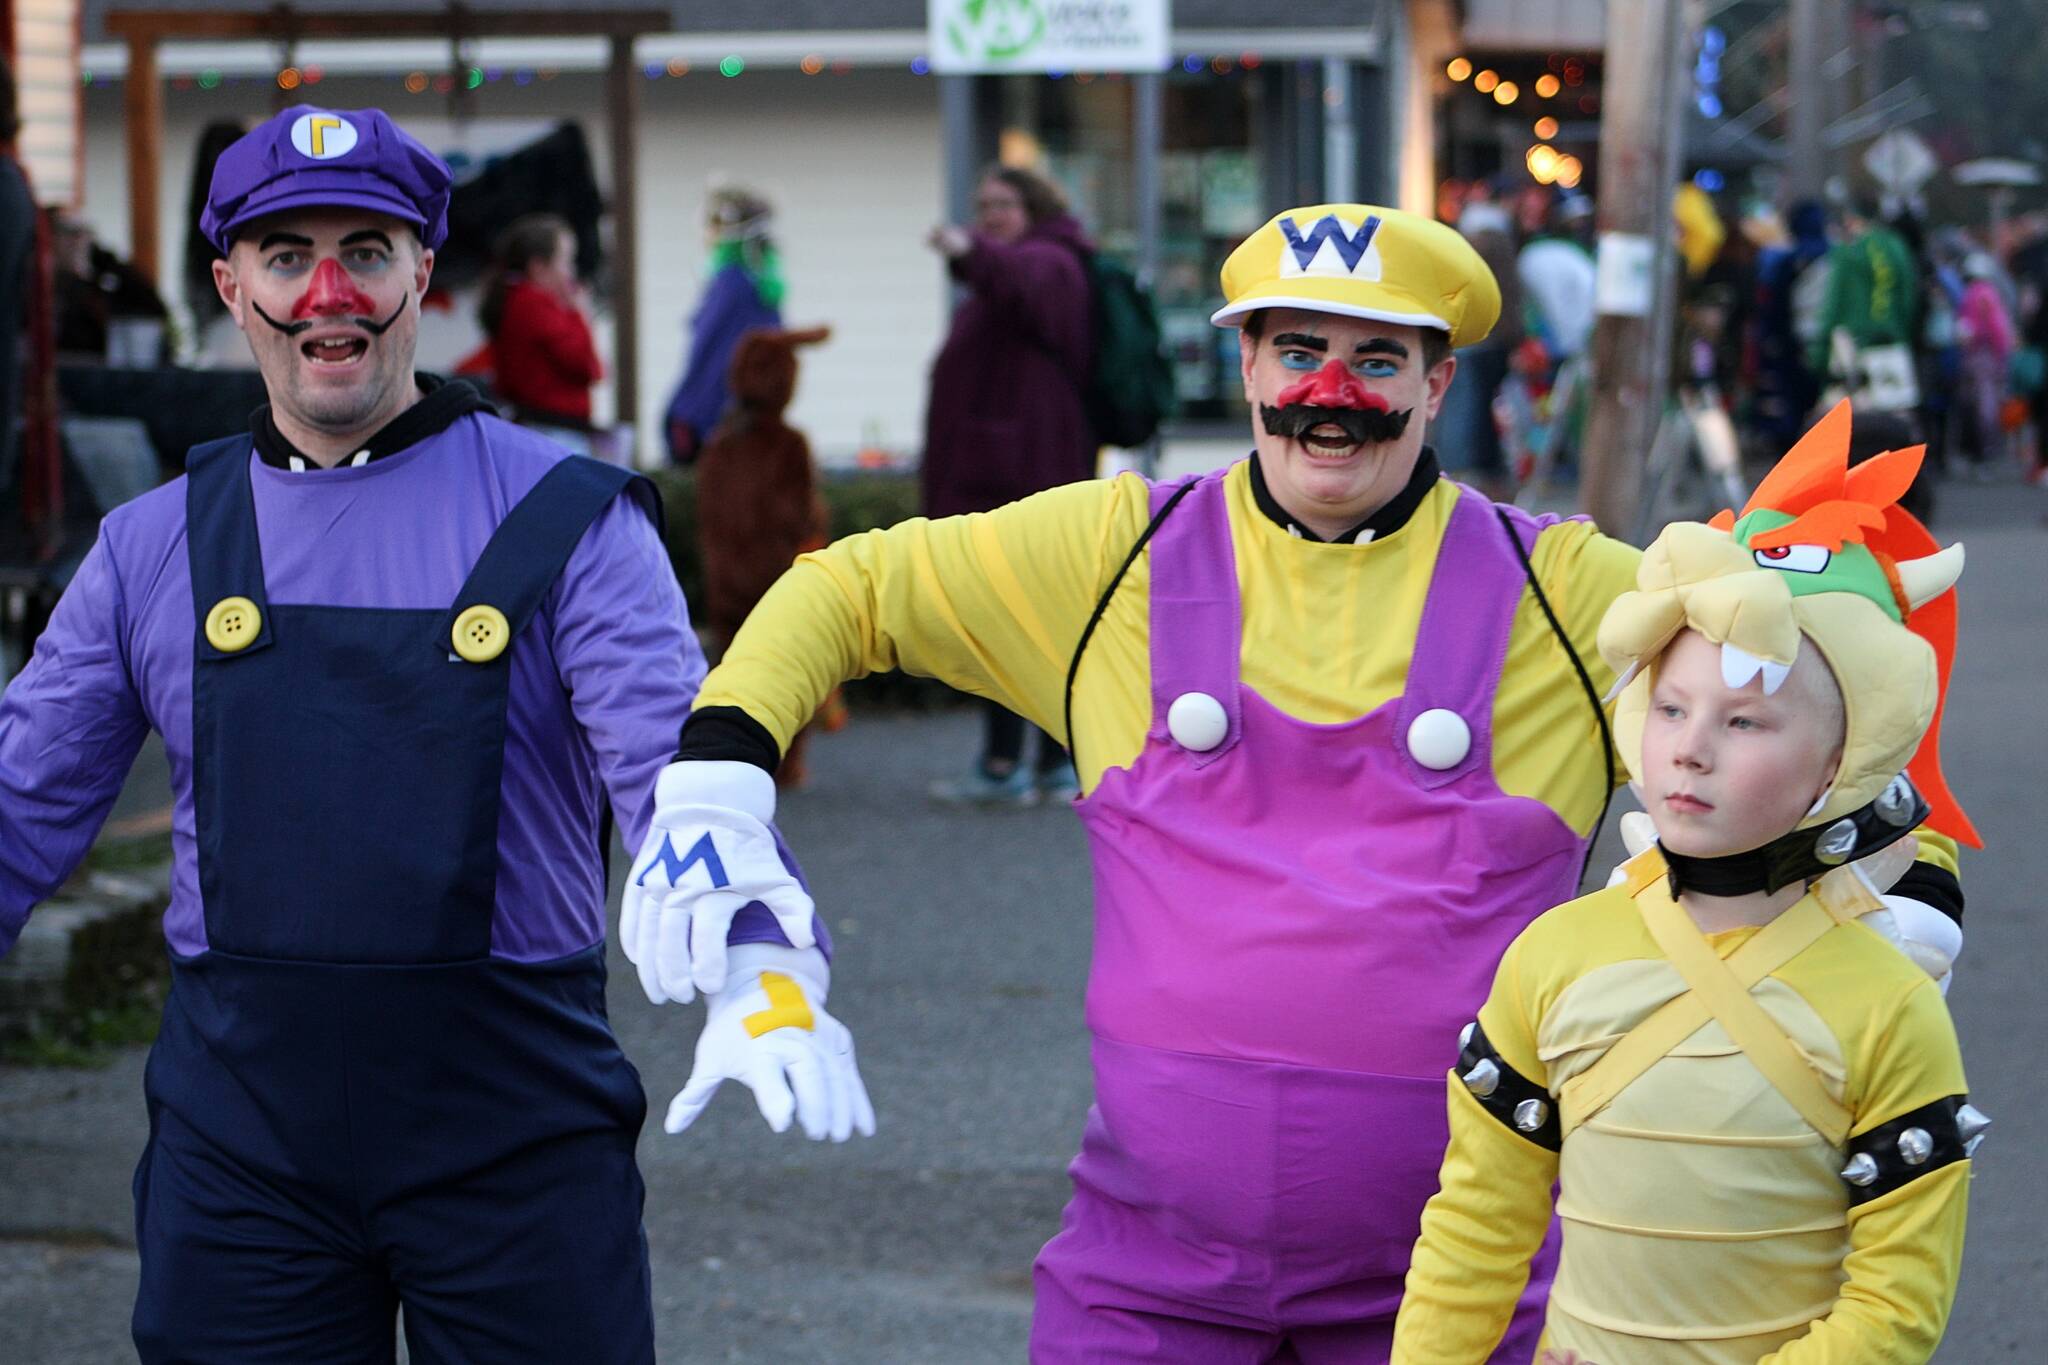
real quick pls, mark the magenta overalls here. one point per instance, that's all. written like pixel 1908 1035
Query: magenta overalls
pixel 1291 928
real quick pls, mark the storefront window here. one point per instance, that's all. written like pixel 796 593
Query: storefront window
pixel 1212 184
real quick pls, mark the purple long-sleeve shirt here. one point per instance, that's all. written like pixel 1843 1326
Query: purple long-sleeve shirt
pixel 601 680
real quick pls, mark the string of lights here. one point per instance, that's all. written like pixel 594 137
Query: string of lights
pixel 733 65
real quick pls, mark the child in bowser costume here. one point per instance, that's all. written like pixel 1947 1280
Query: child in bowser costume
pixel 1753 1107
pixel 1336 748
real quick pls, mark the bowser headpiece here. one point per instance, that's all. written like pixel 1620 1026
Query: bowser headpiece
pixel 1822 552
pixel 1361 261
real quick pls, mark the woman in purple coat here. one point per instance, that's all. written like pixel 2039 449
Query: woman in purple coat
pixel 1006 418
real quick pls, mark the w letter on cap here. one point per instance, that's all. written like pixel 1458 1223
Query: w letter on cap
pixel 1351 246
pixel 323 136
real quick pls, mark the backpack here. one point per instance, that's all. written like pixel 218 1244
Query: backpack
pixel 1130 386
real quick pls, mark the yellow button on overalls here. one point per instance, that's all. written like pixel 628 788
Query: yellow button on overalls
pixel 481 634
pixel 233 624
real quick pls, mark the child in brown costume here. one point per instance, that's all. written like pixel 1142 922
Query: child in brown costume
pixel 758 506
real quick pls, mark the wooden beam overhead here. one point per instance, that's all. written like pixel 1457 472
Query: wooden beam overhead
pixel 179 25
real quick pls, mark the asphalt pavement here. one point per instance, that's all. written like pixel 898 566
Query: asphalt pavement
pixel 963 946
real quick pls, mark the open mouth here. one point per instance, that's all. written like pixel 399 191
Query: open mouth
pixel 1329 438
pixel 345 350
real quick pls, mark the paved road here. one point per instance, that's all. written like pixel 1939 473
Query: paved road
pixel 963 947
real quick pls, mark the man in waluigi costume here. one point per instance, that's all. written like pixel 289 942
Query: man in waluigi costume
pixel 1338 726
pixel 1751 1103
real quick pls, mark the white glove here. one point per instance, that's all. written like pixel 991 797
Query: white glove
pixel 708 852
pixel 768 1030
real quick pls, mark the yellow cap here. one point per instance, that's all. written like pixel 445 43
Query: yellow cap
pixel 1360 261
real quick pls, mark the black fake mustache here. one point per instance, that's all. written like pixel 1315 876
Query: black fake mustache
pixel 1360 424
pixel 370 325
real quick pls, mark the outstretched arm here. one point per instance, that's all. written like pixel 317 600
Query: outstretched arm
pixel 70 727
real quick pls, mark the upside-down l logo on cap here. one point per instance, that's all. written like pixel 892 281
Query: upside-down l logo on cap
pixel 1334 246
pixel 322 136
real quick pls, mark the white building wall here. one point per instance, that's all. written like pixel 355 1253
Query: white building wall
pixel 851 161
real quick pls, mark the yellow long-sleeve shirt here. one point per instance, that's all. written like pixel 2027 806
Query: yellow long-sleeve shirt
pixel 1703 1219
pixel 994 604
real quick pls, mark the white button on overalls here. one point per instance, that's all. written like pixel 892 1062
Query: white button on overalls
pixel 1197 721
pixel 1439 739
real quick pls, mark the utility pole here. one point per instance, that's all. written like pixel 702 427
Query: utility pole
pixel 1808 89
pixel 1642 127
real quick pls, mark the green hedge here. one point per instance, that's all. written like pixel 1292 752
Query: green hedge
pixel 855 502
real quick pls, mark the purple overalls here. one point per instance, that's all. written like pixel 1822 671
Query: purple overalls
pixel 1292 926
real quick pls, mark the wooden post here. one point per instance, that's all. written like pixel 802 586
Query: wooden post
pixel 1642 122
pixel 1809 90
pixel 142 105
pixel 624 107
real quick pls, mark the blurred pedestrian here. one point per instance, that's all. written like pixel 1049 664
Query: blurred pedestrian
pixel 1556 274
pixel 744 292
pixel 1867 316
pixel 1464 434
pixel 1986 334
pixel 543 358
pixel 1791 282
pixel 17 253
pixel 105 307
pixel 1006 418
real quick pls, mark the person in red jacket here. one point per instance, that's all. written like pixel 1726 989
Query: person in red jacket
pixel 543 358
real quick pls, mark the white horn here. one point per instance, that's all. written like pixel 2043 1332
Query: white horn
pixel 1930 576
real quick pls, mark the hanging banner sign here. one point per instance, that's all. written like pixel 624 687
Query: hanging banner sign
pixel 980 37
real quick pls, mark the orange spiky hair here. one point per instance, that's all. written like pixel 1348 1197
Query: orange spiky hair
pixel 1815 497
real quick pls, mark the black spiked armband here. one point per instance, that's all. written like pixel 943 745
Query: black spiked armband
pixel 1912 1145
pixel 1506 1093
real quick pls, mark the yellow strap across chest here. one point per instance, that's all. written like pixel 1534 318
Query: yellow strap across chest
pixel 1720 990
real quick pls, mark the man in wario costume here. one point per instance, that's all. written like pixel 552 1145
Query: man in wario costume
pixel 1339 732
pixel 406 659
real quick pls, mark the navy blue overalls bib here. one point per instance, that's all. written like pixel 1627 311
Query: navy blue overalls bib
pixel 346 1077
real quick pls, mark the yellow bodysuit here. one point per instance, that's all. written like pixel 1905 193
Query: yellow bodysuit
pixel 1704 1218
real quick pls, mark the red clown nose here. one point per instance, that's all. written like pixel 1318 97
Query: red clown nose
pixel 1333 386
pixel 333 294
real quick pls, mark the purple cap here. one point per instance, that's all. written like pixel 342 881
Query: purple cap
pixel 327 158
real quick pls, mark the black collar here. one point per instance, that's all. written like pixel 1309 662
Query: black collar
pixel 1386 521
pixel 442 402
pixel 1803 854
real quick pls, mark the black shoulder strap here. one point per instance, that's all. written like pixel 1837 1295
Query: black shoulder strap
pixel 1585 681
pixel 533 542
pixel 1102 605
